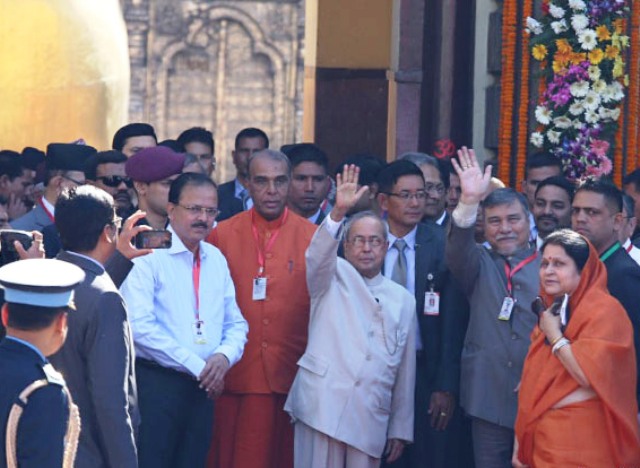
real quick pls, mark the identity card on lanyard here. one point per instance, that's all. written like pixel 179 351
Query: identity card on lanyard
pixel 509 301
pixel 431 299
pixel 260 282
pixel 198 329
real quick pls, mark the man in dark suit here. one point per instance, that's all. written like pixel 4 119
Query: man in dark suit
pixel 233 196
pixel 97 358
pixel 596 213
pixel 39 294
pixel 415 260
pixel 310 182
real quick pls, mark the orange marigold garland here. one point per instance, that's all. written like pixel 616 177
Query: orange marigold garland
pixel 523 112
pixel 634 92
pixel 509 31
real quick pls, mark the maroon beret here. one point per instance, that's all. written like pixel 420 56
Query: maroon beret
pixel 153 164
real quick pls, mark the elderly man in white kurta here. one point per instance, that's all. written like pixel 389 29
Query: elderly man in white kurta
pixel 352 399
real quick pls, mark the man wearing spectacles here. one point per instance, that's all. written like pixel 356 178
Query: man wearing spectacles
pixel 106 170
pixel 64 169
pixel 352 399
pixel 415 260
pixel 187 328
pixel 436 183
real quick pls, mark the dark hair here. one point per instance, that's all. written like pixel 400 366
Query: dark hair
pixel 505 196
pixel 560 182
pixel 32 318
pixel 612 194
pixel 251 133
pixel 370 166
pixel 191 179
pixel 172 144
pixel 103 157
pixel 424 159
pixel 390 174
pixel 81 215
pixel 132 130
pixel 198 135
pixel 10 164
pixel 572 243
pixel 306 152
pixel 538 160
pixel 628 205
pixel 632 178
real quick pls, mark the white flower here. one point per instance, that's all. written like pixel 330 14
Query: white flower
pixel 543 115
pixel 591 116
pixel 577 124
pixel 562 122
pixel 599 86
pixel 594 72
pixel 607 94
pixel 587 39
pixel 615 113
pixel 533 26
pixel 579 88
pixel 617 91
pixel 576 108
pixel 591 101
pixel 577 5
pixel 537 139
pixel 554 137
pixel 579 22
pixel 559 26
pixel 556 11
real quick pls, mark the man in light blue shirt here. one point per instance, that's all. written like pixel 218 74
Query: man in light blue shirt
pixel 187 328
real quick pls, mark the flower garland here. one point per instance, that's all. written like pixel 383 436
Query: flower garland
pixel 581 44
pixel 509 30
pixel 523 114
pixel 634 92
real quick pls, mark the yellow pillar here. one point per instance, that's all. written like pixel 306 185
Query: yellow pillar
pixel 64 72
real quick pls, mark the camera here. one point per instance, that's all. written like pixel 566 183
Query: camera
pixel 156 239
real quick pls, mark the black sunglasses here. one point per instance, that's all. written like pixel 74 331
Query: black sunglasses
pixel 115 181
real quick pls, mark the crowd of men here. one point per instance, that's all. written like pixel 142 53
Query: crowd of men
pixel 379 314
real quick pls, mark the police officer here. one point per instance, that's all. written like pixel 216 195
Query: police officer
pixel 38 419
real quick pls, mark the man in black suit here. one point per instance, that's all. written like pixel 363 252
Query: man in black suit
pixel 233 196
pixel 631 186
pixel 97 359
pixel 415 260
pixel 39 294
pixel 596 213
pixel 310 182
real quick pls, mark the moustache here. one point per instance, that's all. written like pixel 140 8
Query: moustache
pixel 548 218
pixel 200 225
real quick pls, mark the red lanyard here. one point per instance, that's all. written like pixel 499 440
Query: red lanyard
pixel 274 236
pixel 47 212
pixel 511 272
pixel 196 283
pixel 629 248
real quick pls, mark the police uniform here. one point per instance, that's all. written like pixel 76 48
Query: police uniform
pixel 39 424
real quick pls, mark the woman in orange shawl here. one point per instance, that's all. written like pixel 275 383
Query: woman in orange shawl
pixel 577 404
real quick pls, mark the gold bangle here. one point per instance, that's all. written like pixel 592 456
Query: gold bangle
pixel 556 340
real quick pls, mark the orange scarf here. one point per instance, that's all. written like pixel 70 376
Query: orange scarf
pixel 601 337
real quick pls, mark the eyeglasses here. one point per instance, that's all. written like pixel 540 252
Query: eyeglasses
pixel 195 210
pixel 71 179
pixel 115 181
pixel 117 222
pixel 360 241
pixel 406 196
pixel 437 188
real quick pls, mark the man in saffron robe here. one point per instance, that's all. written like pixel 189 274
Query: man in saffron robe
pixel 265 248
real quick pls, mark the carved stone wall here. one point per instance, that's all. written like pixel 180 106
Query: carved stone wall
pixel 222 65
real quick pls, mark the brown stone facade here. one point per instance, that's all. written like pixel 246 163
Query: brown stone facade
pixel 222 65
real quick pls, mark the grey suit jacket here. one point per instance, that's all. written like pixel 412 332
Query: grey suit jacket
pixel 35 220
pixel 97 362
pixel 494 350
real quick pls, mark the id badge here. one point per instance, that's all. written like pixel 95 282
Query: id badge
pixel 259 289
pixel 199 335
pixel 431 303
pixel 507 308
